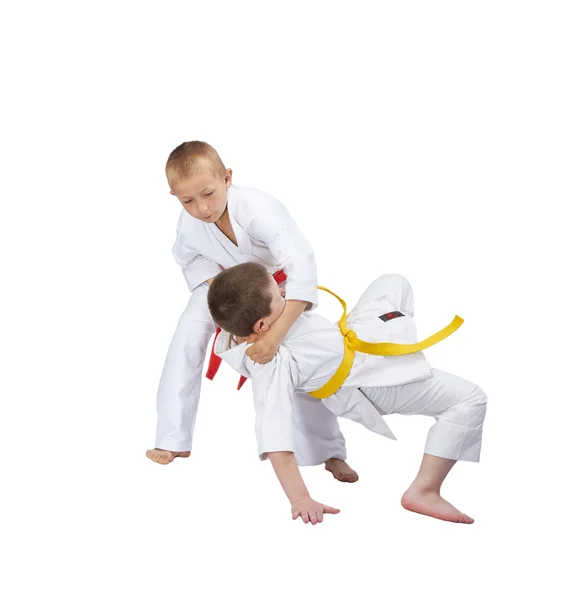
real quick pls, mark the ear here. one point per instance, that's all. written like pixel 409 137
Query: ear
pixel 228 178
pixel 260 326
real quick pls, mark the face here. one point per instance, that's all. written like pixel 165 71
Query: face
pixel 204 196
pixel 277 305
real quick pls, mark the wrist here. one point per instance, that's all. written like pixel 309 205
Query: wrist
pixel 298 497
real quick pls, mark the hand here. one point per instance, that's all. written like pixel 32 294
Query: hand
pixel 310 510
pixel 264 348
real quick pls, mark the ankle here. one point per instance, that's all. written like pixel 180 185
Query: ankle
pixel 425 486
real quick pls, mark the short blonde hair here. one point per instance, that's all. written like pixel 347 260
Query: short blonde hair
pixel 192 158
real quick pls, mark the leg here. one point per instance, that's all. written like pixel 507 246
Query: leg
pixel 459 408
pixel 318 438
pixel 180 385
pixel 391 287
pixel 424 494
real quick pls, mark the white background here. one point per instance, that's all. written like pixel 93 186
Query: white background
pixel 431 139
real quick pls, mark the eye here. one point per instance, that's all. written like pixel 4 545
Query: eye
pixel 209 194
pixel 188 201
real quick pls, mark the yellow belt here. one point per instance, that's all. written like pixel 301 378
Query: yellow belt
pixel 353 344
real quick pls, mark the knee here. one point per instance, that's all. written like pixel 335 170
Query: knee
pixel 477 403
pixel 196 317
pixel 192 336
pixel 395 281
pixel 401 292
pixel 478 396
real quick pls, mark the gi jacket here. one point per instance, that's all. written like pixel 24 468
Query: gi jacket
pixel 265 233
pixel 309 356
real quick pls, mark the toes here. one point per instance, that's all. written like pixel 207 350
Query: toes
pixel 152 455
pixel 463 518
pixel 159 456
pixel 345 477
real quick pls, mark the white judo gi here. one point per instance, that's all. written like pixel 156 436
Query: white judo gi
pixel 377 385
pixel 266 234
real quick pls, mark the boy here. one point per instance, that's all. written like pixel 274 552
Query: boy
pixel 245 300
pixel 223 225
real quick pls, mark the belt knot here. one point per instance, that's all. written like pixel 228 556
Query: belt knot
pixel 348 333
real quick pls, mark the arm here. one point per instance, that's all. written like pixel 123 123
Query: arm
pixel 288 473
pixel 273 387
pixel 265 345
pixel 273 225
pixel 293 309
pixel 270 223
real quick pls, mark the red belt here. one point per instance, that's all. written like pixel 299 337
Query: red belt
pixel 214 361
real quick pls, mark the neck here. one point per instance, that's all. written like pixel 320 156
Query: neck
pixel 223 219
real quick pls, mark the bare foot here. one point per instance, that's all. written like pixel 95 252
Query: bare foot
pixel 430 503
pixel 341 470
pixel 164 457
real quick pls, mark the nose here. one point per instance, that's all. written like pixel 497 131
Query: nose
pixel 204 209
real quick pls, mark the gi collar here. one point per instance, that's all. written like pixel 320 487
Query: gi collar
pixel 233 356
pixel 242 238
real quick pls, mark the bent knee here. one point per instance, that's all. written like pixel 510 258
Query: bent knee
pixel 197 319
pixel 395 281
pixel 475 406
pixel 191 340
pixel 477 396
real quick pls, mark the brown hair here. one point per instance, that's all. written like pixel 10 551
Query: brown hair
pixel 191 158
pixel 240 296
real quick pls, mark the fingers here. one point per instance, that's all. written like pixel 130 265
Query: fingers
pixel 330 510
pixel 257 357
pixel 313 517
pixel 313 514
pixel 254 352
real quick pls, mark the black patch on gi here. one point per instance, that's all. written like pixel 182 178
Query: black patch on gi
pixel 391 315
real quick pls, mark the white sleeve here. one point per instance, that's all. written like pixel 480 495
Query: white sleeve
pixel 196 268
pixel 273 385
pixel 272 224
